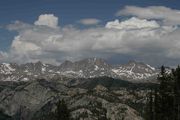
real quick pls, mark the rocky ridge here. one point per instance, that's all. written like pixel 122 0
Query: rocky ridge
pixel 33 100
pixel 87 68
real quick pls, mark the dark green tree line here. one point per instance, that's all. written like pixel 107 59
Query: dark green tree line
pixel 61 113
pixel 163 103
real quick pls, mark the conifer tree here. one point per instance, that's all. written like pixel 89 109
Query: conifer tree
pixel 164 102
pixel 62 112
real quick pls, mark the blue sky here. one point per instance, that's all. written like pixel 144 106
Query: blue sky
pixel 71 10
pixel 68 12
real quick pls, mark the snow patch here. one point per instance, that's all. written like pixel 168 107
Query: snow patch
pixel 96 68
pixel 152 68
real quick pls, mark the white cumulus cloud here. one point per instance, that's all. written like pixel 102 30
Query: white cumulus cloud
pixel 145 39
pixel 89 21
pixel 133 23
pixel 48 20
pixel 167 15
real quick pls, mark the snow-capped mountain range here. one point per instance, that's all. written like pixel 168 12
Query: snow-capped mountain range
pixel 87 68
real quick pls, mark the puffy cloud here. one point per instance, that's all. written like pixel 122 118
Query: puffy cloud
pixel 89 21
pixel 48 20
pixel 167 15
pixel 144 39
pixel 133 23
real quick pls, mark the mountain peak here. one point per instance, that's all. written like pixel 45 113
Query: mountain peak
pixel 38 63
pixel 86 68
pixel 94 60
pixel 132 61
pixel 66 64
pixel 135 62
